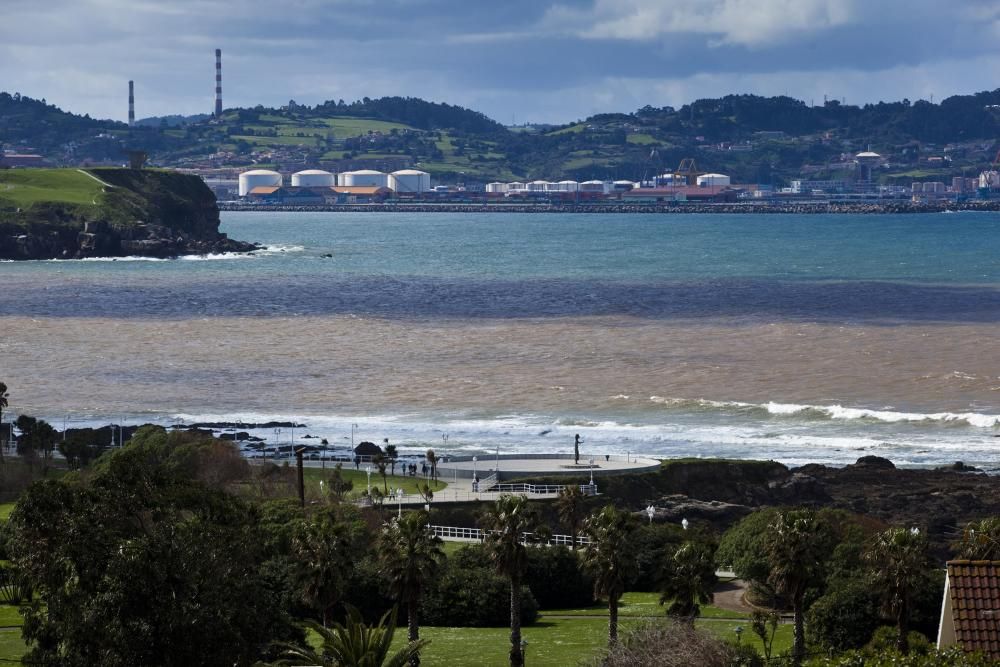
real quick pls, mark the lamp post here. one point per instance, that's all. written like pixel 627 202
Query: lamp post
pixel 399 499
pixel 739 633
pixel 368 470
pixel 354 427
pixel 650 512
pixel 321 489
pixel 684 524
pixel 524 651
pixel 591 472
pixel 277 439
pixel 475 475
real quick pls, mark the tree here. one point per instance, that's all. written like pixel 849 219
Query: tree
pixel 137 565
pixel 322 550
pixel 688 580
pixel 432 461
pixel 392 454
pixel 505 524
pixel 353 644
pixel 339 486
pixel 981 540
pixel 37 436
pixel 898 559
pixel 570 507
pixel 3 404
pixel 797 543
pixel 409 558
pixel 381 462
pixel 609 560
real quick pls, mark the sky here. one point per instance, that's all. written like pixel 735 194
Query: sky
pixel 517 61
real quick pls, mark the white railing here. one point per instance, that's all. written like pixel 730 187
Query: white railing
pixel 487 483
pixel 587 489
pixel 476 534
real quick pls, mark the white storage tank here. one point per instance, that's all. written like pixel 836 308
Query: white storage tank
pixel 364 178
pixel 409 180
pixel 537 186
pixel 496 188
pixel 623 186
pixel 313 178
pixel 710 180
pixel 516 186
pixel 569 186
pixel 256 178
pixel 594 186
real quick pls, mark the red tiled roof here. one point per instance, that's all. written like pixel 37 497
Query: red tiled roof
pixel 974 588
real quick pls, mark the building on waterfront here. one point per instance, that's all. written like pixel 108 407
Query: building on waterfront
pixel 806 187
pixel 865 162
pixel 707 193
pixel 712 179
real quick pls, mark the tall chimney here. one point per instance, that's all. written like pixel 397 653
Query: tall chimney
pixel 218 83
pixel 131 104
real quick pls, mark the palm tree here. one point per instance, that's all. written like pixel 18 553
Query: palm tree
pixel 898 559
pixel 3 404
pixel 981 541
pixel 392 454
pixel 609 559
pixel 409 557
pixel 569 505
pixel 505 524
pixel 381 462
pixel 353 644
pixel 688 580
pixel 433 461
pixel 322 551
pixel 797 543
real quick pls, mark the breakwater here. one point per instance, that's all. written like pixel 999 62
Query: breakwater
pixel 797 208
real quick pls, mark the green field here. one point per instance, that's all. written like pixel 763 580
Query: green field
pixel 5 510
pixel 24 187
pixel 359 478
pixel 345 126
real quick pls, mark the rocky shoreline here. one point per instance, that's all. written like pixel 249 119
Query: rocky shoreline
pixel 803 208
pixel 99 239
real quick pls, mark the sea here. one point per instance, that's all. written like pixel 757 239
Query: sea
pixel 797 338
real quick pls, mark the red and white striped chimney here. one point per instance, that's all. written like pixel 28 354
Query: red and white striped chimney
pixel 131 104
pixel 218 83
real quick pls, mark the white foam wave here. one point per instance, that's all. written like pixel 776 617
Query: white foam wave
pixel 840 412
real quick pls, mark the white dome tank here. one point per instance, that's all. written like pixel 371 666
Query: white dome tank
pixel 364 178
pixel 257 178
pixel 409 180
pixel 313 178
pixel 707 180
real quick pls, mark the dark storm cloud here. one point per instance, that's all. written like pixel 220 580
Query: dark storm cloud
pixel 542 61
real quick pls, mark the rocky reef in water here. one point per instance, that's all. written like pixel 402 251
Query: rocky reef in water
pixel 147 213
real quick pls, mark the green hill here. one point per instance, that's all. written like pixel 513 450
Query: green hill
pixel 754 139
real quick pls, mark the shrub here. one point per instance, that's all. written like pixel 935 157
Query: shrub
pixel 473 598
pixel 844 618
pixel 667 644
pixel 556 579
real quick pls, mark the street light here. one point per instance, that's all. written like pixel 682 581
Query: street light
pixel 591 472
pixel 524 650
pixel 739 633
pixel 277 439
pixel 368 469
pixel 354 427
pixel 684 524
pixel 475 476
pixel 650 512
pixel 399 499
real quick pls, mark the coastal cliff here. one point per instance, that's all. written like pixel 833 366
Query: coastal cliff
pixel 73 214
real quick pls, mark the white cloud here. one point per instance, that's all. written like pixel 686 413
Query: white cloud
pixel 738 22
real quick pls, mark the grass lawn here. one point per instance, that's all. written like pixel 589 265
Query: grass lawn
pixel 5 510
pixel 24 187
pixel 360 480
pixel 346 126
pixel 641 139
pixel 11 645
pixel 642 604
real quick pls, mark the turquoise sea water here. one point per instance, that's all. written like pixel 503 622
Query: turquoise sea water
pixel 791 337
